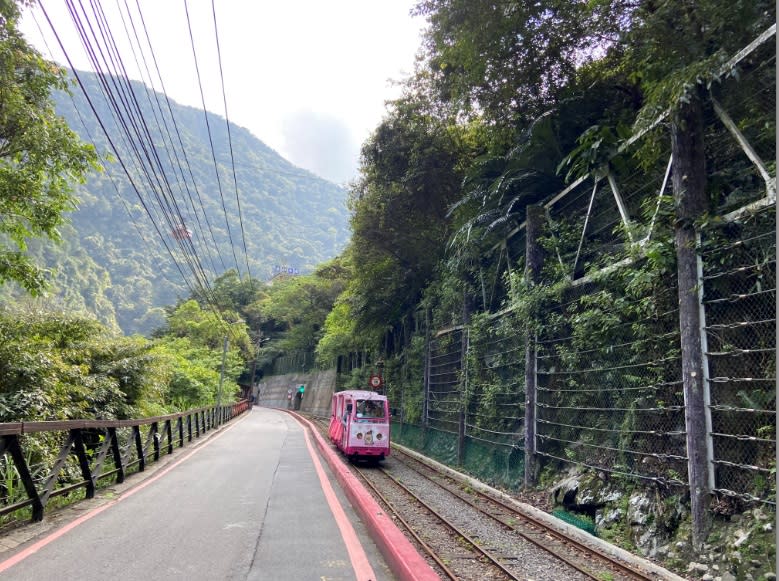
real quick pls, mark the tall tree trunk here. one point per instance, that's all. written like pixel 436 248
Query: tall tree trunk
pixel 691 202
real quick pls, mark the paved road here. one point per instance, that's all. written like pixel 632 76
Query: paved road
pixel 245 504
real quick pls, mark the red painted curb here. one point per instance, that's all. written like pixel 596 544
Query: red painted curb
pixel 404 560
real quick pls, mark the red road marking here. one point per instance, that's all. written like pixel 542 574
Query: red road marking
pixel 35 547
pixel 404 560
pixel 360 564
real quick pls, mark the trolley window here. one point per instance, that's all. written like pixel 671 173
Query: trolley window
pixel 370 409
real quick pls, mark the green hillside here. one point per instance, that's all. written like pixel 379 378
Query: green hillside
pixel 115 263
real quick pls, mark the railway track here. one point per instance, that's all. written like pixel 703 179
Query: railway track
pixel 586 558
pixel 457 554
pixel 471 535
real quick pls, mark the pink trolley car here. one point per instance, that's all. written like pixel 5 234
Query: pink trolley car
pixel 360 424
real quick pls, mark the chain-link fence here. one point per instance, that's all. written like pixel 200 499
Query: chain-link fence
pixel 473 402
pixel 608 367
pixel 609 383
pixel 444 411
pixel 602 339
pixel 739 288
pixel 495 415
pixel 610 394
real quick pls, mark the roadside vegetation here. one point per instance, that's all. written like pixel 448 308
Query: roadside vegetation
pixel 510 104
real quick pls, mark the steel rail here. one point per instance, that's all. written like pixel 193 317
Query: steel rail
pixel 428 549
pixel 452 526
pixel 545 528
pixel 322 425
pixel 562 538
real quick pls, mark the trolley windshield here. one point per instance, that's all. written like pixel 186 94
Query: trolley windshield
pixel 370 409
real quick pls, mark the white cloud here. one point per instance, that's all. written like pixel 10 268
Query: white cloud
pixel 321 143
pixel 288 66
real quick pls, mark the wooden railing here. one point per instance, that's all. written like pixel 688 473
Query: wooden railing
pixel 94 445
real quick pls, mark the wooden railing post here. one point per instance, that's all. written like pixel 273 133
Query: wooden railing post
pixel 155 438
pixel 13 447
pixel 83 462
pixel 169 435
pixel 117 455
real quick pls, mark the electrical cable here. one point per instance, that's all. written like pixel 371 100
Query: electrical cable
pixel 230 141
pixel 91 138
pixel 136 131
pixel 210 137
pixel 178 133
pixel 122 121
pixel 142 132
pixel 161 123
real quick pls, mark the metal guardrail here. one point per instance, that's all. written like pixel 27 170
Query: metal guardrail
pixel 95 444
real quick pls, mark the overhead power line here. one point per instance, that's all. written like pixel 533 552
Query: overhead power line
pixel 215 247
pixel 120 98
pixel 183 183
pixel 230 141
pixel 210 137
pixel 156 173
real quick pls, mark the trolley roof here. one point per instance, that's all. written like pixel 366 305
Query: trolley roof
pixel 361 394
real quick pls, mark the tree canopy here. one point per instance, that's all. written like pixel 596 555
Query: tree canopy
pixel 40 157
pixel 411 173
pixel 510 101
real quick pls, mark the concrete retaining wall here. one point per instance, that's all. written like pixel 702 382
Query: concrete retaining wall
pixel 317 397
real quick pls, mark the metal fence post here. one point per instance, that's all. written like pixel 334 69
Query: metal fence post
pixel 705 368
pixel 426 386
pixel 464 399
pixel 534 260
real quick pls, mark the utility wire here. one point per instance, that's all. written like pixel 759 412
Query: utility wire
pixel 144 136
pixel 230 141
pixel 91 138
pixel 162 123
pixel 111 142
pixel 134 128
pixel 112 100
pixel 178 133
pixel 210 138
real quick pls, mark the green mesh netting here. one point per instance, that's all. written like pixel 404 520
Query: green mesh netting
pixel 441 446
pixel 498 465
pixel 578 522
pixel 408 435
pixel 501 465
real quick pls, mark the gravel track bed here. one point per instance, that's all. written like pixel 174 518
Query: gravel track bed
pixel 522 558
pixel 464 561
pixel 586 557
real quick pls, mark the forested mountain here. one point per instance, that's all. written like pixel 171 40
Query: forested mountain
pixel 117 261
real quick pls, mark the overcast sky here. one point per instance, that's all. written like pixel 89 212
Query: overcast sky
pixel 308 77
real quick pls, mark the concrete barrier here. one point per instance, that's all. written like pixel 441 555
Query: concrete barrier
pixel 316 398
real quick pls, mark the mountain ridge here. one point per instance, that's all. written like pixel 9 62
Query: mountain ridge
pixel 121 257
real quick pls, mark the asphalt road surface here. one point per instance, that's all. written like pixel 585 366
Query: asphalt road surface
pixel 245 504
